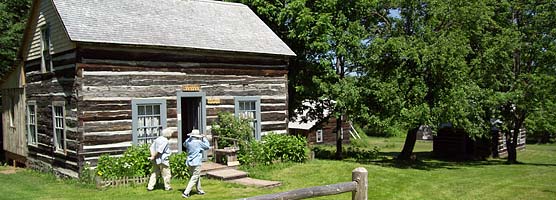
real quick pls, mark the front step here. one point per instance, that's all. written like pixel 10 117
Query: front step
pixel 226 174
pixel 211 166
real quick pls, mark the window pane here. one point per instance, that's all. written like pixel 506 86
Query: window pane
pixel 149 110
pixel 59 111
pixel 141 110
pixel 252 105
pixel 156 109
pixel 31 109
pixel 155 121
pixel 60 123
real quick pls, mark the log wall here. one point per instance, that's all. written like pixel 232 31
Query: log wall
pixel 45 88
pixel 456 144
pixel 112 77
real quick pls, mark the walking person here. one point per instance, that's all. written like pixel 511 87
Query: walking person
pixel 160 157
pixel 195 144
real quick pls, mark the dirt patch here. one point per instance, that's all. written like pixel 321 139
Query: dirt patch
pixel 9 170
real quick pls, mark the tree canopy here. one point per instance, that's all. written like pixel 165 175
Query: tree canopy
pixel 13 17
pixel 411 63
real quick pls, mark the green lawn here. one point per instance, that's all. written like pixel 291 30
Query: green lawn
pixel 424 179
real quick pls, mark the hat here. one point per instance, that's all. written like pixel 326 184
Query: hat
pixel 167 132
pixel 195 133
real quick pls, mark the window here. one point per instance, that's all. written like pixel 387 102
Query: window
pixel 32 122
pixel 149 118
pixel 46 61
pixel 319 136
pixel 250 108
pixel 58 115
pixel 12 111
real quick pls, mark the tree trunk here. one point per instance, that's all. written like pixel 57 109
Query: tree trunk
pixel 409 144
pixel 512 145
pixel 339 138
pixel 512 154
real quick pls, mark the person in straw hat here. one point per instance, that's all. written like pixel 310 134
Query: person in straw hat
pixel 195 144
pixel 160 157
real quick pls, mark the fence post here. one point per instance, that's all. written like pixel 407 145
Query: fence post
pixel 359 175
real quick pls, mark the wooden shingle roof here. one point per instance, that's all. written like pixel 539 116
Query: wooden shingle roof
pixel 197 24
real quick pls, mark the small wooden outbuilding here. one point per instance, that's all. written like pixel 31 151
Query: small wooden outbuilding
pixel 456 144
pixel 101 76
pixel 320 131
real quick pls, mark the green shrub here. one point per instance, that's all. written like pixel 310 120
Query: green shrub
pixel 274 147
pixel 108 166
pixel 359 154
pixel 178 167
pixel 254 152
pixel 134 162
pixel 87 174
pixel 232 127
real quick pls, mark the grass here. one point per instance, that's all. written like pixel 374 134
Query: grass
pixel 423 179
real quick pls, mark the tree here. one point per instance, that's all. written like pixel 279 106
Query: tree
pixel 327 37
pixel 418 69
pixel 13 16
pixel 515 61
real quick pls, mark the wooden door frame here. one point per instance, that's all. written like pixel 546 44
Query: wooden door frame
pixel 203 124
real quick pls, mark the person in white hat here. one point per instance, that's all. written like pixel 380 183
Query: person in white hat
pixel 160 156
pixel 195 144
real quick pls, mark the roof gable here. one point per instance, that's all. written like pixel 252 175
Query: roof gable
pixel 200 24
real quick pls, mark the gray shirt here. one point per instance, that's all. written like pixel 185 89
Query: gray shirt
pixel 161 146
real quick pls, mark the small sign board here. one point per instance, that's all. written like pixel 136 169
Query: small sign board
pixel 213 101
pixel 191 88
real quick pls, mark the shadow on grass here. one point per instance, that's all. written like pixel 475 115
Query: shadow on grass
pixel 426 161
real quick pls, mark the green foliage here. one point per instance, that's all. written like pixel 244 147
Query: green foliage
pixel 357 153
pixel 273 147
pixel 178 167
pixel 232 127
pixel 13 16
pixel 87 174
pixel 134 162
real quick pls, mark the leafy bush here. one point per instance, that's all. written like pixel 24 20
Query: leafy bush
pixel 134 162
pixel 178 167
pixel 273 147
pixel 359 154
pixel 232 127
pixel 87 174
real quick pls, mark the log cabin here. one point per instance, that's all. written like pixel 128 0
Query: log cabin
pixel 100 76
pixel 320 129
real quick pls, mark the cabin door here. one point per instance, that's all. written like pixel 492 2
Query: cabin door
pixel 191 114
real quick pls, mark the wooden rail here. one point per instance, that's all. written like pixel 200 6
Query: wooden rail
pixel 358 187
pixel 216 137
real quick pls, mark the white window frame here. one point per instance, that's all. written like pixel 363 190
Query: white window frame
pixel 59 126
pixel 32 136
pixel 46 43
pixel 318 134
pixel 257 110
pixel 135 117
